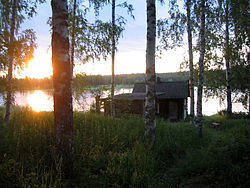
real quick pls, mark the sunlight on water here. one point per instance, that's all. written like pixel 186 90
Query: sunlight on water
pixel 39 101
pixel 43 101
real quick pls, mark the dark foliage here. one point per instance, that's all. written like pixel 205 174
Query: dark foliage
pixel 111 153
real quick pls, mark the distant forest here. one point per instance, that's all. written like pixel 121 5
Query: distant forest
pixel 126 79
pixel 81 81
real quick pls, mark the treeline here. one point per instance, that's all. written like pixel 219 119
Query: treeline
pixel 27 83
pixel 82 80
pixel 213 79
pixel 125 79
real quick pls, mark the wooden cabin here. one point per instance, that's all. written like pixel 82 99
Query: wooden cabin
pixel 171 100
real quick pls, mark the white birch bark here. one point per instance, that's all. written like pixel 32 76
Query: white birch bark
pixel 150 123
pixel 62 75
pixel 73 38
pixel 248 101
pixel 191 67
pixel 201 66
pixel 10 65
pixel 113 61
pixel 227 58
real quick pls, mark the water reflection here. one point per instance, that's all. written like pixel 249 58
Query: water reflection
pixel 39 101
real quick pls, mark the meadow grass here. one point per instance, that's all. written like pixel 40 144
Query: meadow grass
pixel 112 153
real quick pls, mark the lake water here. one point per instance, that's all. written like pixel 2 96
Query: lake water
pixel 212 105
pixel 40 100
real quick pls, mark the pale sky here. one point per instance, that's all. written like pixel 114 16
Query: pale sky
pixel 130 57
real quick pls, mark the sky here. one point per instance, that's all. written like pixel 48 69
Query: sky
pixel 131 53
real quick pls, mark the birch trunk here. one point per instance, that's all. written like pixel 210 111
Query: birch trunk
pixel 150 123
pixel 201 66
pixel 191 67
pixel 248 101
pixel 227 57
pixel 113 61
pixel 73 38
pixel 62 74
pixel 10 65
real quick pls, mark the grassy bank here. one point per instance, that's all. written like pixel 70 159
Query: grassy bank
pixel 112 153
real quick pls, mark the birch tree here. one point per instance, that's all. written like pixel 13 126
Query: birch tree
pixel 113 60
pixel 150 122
pixel 201 66
pixel 234 20
pixel 72 44
pixel 62 75
pixel 16 48
pixel 94 40
pixel 171 32
pixel 114 30
pixel 10 64
pixel 191 67
pixel 240 50
pixel 227 59
pixel 172 28
pixel 227 33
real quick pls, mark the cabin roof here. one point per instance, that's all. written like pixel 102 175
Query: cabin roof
pixel 164 90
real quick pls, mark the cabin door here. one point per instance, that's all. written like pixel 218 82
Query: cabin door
pixel 173 110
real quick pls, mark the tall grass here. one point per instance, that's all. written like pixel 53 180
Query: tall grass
pixel 112 153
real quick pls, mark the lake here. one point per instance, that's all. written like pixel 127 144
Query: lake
pixel 41 100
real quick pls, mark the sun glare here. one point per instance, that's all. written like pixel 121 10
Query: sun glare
pixel 39 67
pixel 39 101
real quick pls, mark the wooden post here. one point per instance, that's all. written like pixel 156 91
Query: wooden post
pixel 97 104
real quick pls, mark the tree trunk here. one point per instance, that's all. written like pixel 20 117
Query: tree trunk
pixel 227 57
pixel 62 75
pixel 113 61
pixel 201 66
pixel 191 67
pixel 10 66
pixel 73 38
pixel 248 101
pixel 150 123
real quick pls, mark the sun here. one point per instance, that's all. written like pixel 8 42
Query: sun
pixel 39 67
